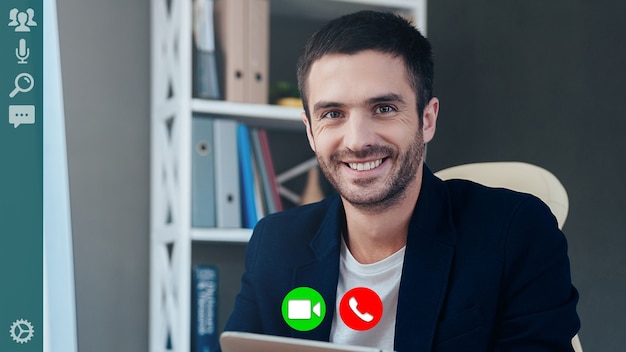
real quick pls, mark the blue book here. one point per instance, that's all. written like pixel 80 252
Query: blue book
pixel 204 328
pixel 248 203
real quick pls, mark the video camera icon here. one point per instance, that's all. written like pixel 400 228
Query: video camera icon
pixel 303 309
pixel 299 309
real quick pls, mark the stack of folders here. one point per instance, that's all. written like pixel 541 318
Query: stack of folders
pixel 204 299
pixel 243 37
pixel 233 178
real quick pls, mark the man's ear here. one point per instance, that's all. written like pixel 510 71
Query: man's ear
pixel 429 120
pixel 307 125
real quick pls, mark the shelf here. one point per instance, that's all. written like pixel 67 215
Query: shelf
pixel 221 235
pixel 176 246
pixel 255 115
pixel 328 9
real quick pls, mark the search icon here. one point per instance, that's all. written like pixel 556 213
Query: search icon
pixel 25 87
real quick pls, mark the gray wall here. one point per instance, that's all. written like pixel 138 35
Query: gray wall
pixel 544 82
pixel 105 58
pixel 535 81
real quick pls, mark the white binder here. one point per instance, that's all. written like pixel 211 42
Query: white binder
pixel 227 194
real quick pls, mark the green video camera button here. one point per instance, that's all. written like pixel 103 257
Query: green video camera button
pixel 303 308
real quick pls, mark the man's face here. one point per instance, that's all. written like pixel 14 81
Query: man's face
pixel 364 127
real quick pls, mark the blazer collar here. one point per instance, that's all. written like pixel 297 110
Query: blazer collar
pixel 427 264
pixel 322 272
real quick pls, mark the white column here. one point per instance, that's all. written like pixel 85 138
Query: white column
pixel 59 302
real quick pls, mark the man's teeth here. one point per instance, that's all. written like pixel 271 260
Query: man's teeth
pixel 365 166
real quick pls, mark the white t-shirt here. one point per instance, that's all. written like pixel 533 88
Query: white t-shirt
pixel 382 277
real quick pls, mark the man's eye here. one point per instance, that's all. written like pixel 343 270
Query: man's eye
pixel 331 115
pixel 382 109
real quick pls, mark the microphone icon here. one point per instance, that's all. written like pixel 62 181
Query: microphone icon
pixel 22 52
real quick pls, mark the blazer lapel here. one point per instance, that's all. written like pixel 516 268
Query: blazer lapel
pixel 427 263
pixel 322 273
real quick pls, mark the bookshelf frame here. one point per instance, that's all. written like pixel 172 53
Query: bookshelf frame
pixel 172 106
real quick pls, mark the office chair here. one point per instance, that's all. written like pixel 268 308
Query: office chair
pixel 521 177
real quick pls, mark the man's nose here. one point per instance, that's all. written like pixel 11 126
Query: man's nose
pixel 360 132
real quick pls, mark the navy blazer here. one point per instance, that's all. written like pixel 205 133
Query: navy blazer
pixel 484 270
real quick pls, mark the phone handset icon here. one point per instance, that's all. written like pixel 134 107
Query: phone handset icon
pixel 370 312
pixel 366 317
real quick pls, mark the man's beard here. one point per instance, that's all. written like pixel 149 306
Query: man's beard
pixel 404 173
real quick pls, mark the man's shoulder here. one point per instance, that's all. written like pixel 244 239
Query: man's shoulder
pixel 495 217
pixel 469 192
pixel 470 200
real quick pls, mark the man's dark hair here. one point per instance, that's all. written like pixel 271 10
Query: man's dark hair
pixel 369 30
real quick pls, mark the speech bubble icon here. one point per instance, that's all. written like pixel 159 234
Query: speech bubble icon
pixel 21 115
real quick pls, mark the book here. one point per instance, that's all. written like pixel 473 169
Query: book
pixel 269 167
pixel 204 321
pixel 204 59
pixel 264 181
pixel 260 204
pixel 246 179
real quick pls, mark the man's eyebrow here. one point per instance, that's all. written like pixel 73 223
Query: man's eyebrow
pixel 391 97
pixel 320 105
pixel 385 98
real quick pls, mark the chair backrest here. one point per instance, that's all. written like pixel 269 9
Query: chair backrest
pixel 517 176
pixel 521 177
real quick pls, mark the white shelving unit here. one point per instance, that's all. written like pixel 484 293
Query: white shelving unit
pixel 172 106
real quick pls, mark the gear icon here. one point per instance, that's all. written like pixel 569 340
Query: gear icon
pixel 22 331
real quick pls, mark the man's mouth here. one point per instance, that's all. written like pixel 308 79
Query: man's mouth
pixel 366 165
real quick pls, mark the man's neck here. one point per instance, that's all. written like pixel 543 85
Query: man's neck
pixel 372 236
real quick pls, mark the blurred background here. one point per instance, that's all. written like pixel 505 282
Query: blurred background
pixel 535 81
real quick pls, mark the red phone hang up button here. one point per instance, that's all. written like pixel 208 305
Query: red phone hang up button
pixel 360 308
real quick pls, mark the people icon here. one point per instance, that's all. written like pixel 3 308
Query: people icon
pixel 31 18
pixel 13 17
pixel 22 20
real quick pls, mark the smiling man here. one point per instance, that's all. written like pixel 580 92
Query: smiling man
pixel 402 260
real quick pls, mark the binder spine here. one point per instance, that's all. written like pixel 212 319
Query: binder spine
pixel 227 192
pixel 232 29
pixel 202 173
pixel 258 50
